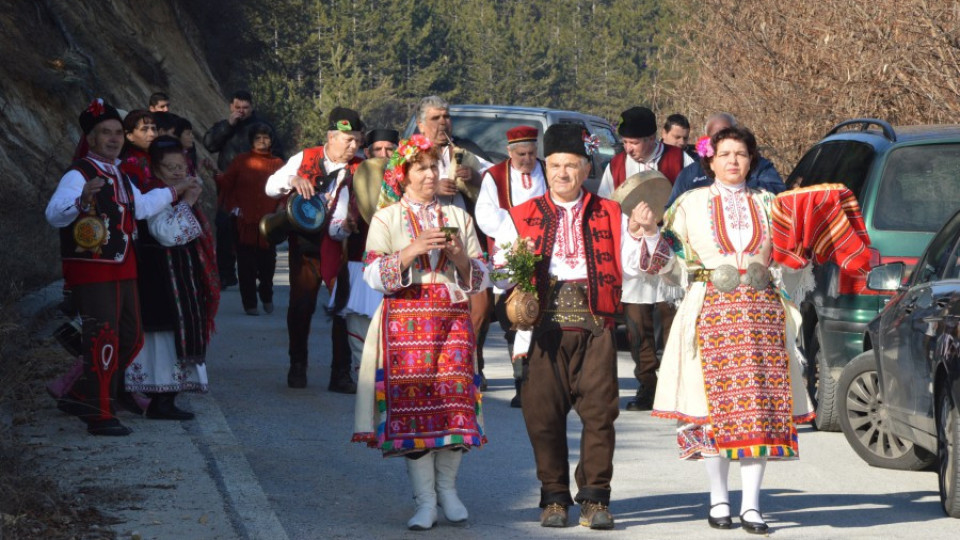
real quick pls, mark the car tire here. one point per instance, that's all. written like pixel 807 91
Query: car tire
pixel 828 414
pixel 864 422
pixel 948 453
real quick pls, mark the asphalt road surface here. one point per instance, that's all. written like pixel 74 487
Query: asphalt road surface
pixel 313 483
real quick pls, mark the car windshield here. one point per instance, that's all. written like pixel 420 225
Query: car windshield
pixel 920 188
pixel 490 132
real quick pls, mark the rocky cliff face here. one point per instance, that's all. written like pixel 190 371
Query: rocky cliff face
pixel 58 55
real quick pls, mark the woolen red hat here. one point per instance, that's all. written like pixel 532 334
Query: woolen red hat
pixel 522 134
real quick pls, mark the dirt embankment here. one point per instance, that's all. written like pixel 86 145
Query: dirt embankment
pixel 58 55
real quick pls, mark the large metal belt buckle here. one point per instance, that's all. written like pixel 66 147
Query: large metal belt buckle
pixel 726 277
pixel 757 276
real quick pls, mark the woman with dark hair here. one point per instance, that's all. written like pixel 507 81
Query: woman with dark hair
pixel 242 189
pixel 139 130
pixel 184 132
pixel 730 374
pixel 418 394
pixel 179 291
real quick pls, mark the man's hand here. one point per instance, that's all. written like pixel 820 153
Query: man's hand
pixel 90 189
pixel 234 117
pixel 446 188
pixel 468 175
pixel 642 220
pixel 303 186
pixel 350 224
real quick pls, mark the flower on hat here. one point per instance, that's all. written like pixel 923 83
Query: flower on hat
pixel 96 107
pixel 704 148
pixel 344 125
pixel 394 175
pixel 591 143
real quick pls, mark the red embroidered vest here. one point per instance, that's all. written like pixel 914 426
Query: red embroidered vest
pixel 670 164
pixel 537 219
pixel 501 178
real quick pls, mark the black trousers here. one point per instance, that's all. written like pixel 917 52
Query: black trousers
pixel 305 282
pixel 643 341
pixel 112 336
pixel 255 264
pixel 226 241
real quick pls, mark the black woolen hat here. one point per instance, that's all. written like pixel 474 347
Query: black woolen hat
pixel 564 139
pixel 377 135
pixel 97 112
pixel 344 119
pixel 637 122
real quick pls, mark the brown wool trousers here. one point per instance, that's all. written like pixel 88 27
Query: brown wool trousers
pixel 643 341
pixel 572 369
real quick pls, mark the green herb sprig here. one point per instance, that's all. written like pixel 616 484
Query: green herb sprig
pixel 520 267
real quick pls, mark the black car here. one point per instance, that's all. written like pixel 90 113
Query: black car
pixel 899 399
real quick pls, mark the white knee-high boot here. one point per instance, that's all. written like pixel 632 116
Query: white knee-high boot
pixel 751 476
pixel 448 463
pixel 423 480
pixel 717 470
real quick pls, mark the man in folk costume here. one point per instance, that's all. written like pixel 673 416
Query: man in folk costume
pixel 461 165
pixel 509 183
pixel 326 170
pixel 381 143
pixel 96 206
pixel 644 294
pixel 583 242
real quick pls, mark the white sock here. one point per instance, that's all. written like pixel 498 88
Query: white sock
pixel 751 476
pixel 717 469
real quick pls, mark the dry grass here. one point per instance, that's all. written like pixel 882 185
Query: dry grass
pixel 31 504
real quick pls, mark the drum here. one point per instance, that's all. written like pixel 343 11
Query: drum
pixel 298 214
pixel 651 187
pixel 367 182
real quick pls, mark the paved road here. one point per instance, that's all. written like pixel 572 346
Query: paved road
pixel 319 485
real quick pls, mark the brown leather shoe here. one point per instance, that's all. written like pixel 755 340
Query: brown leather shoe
pixel 554 515
pixel 595 515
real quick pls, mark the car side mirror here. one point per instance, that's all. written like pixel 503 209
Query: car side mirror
pixel 886 277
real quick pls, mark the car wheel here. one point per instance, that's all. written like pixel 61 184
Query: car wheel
pixel 948 453
pixel 864 421
pixel 828 415
pixel 821 386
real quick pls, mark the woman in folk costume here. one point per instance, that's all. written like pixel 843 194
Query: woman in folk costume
pixel 730 373
pixel 179 291
pixel 418 394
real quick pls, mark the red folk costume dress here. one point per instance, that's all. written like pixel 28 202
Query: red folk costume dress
pixel 418 386
pixel 731 371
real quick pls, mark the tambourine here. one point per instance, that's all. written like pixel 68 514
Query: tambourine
pixel 299 214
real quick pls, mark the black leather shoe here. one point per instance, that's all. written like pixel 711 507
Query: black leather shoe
pixel 754 527
pixel 162 408
pixel 720 522
pixel 515 402
pixel 297 376
pixel 643 401
pixel 108 428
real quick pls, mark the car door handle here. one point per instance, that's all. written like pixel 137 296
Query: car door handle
pixel 943 302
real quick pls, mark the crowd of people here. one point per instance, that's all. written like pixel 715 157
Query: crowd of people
pixel 412 239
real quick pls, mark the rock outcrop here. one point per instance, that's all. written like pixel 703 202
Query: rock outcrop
pixel 58 55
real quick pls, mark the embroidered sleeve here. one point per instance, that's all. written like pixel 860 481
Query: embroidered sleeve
pixel 654 258
pixel 477 280
pixel 381 261
pixel 175 226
